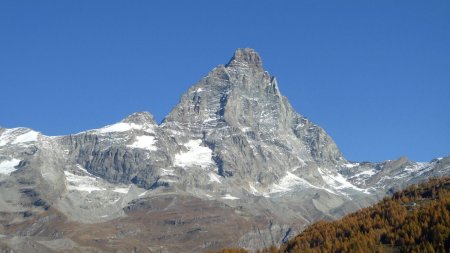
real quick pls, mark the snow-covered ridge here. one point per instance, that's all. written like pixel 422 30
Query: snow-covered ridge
pixel 24 136
pixel 18 136
pixel 124 127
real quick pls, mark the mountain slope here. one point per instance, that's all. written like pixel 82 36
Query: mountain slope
pixel 414 220
pixel 233 145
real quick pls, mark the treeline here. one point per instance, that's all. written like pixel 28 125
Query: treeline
pixel 416 219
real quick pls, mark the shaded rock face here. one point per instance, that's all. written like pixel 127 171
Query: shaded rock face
pixel 110 152
pixel 233 164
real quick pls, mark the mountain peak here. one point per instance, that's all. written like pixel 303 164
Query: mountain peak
pixel 245 56
pixel 140 118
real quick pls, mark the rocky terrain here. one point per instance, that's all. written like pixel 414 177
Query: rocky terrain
pixel 233 164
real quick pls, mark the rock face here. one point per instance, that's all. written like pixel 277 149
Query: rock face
pixel 233 164
pixel 252 130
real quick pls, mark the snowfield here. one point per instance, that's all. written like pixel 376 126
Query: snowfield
pixel 7 167
pixel 144 142
pixel 18 136
pixel 196 155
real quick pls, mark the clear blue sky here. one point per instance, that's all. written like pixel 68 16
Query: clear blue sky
pixel 374 74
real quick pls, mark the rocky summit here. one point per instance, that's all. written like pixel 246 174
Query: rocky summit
pixel 233 164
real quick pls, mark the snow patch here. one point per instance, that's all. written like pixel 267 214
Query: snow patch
pixel 7 167
pixel 214 178
pixel 122 190
pixel 18 136
pixel 362 176
pixel 166 180
pixel 415 169
pixel 351 165
pixel 82 183
pixel 195 155
pixel 84 170
pixel 370 172
pixel 167 172
pixel 123 127
pixel 253 190
pixel 228 196
pixel 142 194
pixel 289 182
pixel 336 181
pixel 144 142
pixel 208 120
pixel 365 174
